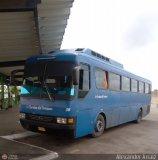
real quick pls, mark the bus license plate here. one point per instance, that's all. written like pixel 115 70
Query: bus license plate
pixel 41 129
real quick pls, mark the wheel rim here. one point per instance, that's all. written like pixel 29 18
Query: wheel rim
pixel 99 126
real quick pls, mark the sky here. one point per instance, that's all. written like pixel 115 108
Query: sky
pixel 124 30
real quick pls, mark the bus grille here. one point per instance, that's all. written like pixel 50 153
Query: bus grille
pixel 41 118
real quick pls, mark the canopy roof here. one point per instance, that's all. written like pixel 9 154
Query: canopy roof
pixel 30 27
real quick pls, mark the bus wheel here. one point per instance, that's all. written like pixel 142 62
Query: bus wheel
pixel 139 117
pixel 99 126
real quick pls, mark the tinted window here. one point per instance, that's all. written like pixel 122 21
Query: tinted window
pixel 141 87
pixel 125 84
pixel 100 79
pixel 147 88
pixel 49 68
pixel 114 81
pixel 134 85
pixel 84 80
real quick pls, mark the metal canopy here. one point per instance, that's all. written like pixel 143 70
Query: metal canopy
pixel 52 20
pixel 30 27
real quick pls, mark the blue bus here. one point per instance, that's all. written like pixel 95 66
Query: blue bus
pixel 80 91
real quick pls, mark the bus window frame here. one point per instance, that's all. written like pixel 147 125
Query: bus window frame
pixel 107 80
pixel 137 85
pixel 122 83
pixel 89 67
pixel 143 87
pixel 149 88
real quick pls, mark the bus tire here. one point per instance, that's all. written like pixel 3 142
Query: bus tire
pixel 99 126
pixel 139 117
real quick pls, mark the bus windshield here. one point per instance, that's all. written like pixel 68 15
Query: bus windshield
pixel 48 85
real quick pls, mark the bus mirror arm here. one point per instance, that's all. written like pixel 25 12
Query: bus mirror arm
pixel 75 75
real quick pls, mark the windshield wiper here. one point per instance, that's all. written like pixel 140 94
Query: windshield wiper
pixel 45 85
pixel 49 94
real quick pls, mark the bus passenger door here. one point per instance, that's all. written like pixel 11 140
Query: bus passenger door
pixel 83 108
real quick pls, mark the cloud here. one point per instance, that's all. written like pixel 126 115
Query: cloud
pixel 142 33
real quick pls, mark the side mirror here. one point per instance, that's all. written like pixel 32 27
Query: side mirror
pixel 75 75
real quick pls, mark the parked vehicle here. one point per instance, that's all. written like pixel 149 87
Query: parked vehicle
pixel 81 91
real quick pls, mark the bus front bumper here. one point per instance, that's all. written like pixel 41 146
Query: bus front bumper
pixel 33 125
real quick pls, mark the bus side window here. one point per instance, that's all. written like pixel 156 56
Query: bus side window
pixel 84 81
pixel 147 88
pixel 125 84
pixel 134 85
pixel 101 79
pixel 114 81
pixel 141 87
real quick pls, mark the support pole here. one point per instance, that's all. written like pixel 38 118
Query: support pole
pixel 9 97
pixel 0 93
pixel 2 104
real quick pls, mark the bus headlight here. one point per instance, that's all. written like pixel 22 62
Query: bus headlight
pixel 61 120
pixel 22 115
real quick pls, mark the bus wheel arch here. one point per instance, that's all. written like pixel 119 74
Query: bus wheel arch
pixel 141 109
pixel 139 116
pixel 100 125
pixel 103 114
